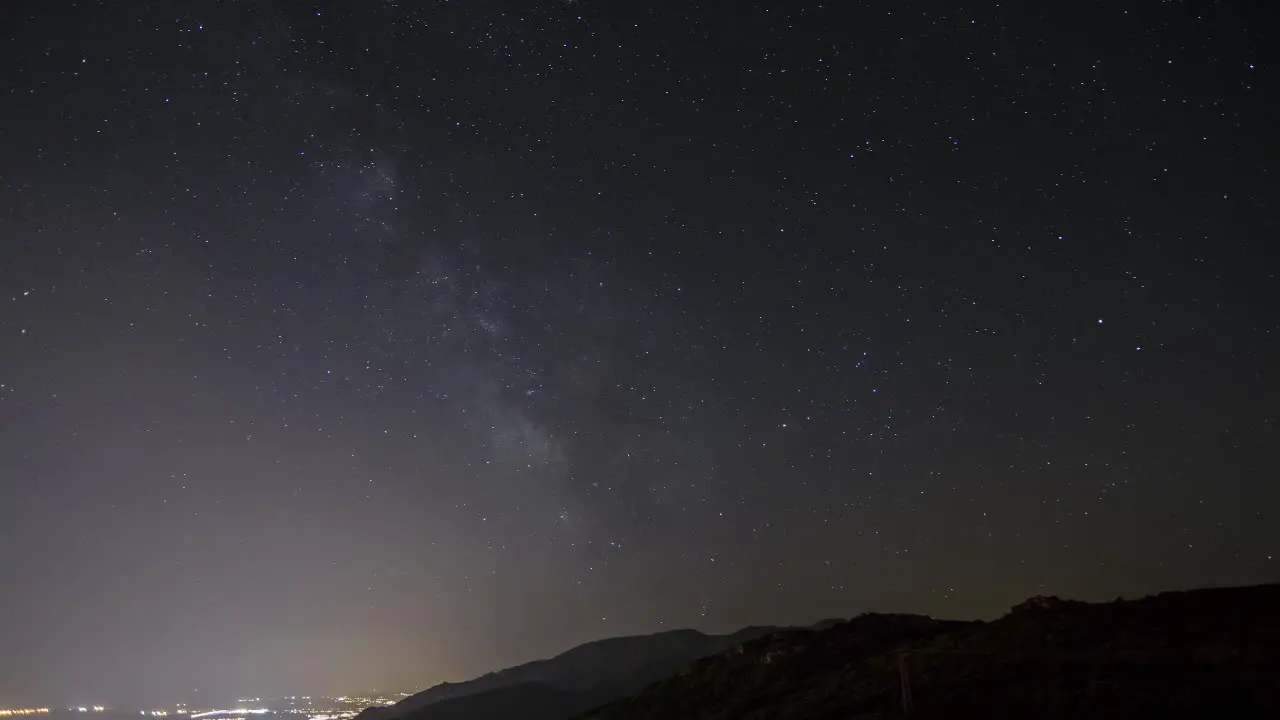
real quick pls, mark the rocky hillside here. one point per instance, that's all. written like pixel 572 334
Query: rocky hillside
pixel 1207 653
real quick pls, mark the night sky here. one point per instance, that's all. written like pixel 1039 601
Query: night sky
pixel 369 345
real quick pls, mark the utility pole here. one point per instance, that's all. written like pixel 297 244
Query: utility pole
pixel 905 681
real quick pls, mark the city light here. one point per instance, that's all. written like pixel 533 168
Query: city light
pixel 302 707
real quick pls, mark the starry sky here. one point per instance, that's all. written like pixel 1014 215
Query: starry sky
pixel 370 345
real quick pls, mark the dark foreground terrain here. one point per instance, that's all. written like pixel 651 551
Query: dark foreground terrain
pixel 575 680
pixel 1203 653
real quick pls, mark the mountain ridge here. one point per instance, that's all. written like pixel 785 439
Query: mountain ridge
pixel 1213 653
pixel 606 668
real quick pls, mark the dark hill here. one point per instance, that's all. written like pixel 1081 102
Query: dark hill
pixel 1203 653
pixel 794 669
pixel 527 701
pixel 577 679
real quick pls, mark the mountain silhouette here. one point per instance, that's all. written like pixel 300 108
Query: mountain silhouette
pixel 1200 653
pixel 575 680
